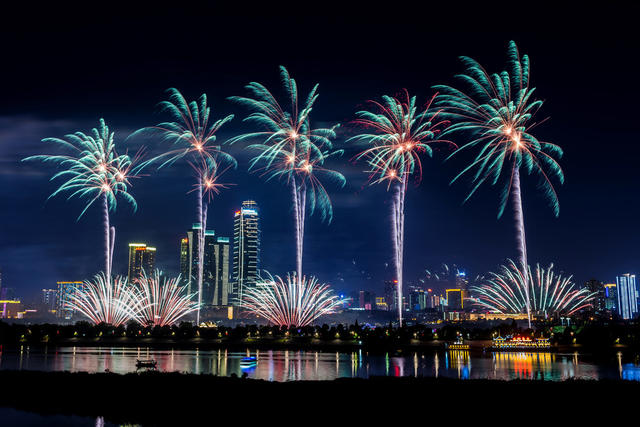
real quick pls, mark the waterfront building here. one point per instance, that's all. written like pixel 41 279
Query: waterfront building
pixel 63 298
pixel 627 296
pixel 246 249
pixel 141 257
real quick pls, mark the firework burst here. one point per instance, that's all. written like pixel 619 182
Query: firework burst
pixel 499 113
pixel 107 300
pixel 292 302
pixel 194 136
pixel 550 293
pixel 291 149
pixel 162 300
pixel 93 171
pixel 398 134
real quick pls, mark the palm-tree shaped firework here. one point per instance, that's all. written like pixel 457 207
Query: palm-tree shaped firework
pixel 396 134
pixel 162 301
pixel 194 137
pixel 294 302
pixel 498 111
pixel 93 171
pixel 291 149
pixel 550 293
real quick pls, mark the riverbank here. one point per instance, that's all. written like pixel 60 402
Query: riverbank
pixel 180 399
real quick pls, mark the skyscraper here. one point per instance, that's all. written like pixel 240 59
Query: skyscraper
pixel 221 272
pixel 65 291
pixel 610 297
pixel 49 298
pixel 215 270
pixel 141 257
pixel 246 248
pixel 627 296
pixel 596 287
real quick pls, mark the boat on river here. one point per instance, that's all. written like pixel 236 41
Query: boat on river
pixel 511 343
pixel 146 363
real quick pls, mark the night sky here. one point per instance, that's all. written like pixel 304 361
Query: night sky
pixel 63 69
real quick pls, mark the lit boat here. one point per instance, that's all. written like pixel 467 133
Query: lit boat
pixel 520 343
pixel 457 345
pixel 146 363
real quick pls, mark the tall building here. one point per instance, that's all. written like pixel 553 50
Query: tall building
pixel 610 297
pixel 65 292
pixel 627 296
pixel 215 262
pixel 246 249
pixel 141 257
pixel 597 288
pixel 218 273
pixel 391 294
pixel 49 299
pixel 455 299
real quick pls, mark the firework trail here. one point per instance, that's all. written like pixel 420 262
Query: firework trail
pixel 162 301
pixel 498 111
pixel 107 300
pixel 396 134
pixel 291 150
pixel 193 134
pixel 550 293
pixel 93 171
pixel 292 302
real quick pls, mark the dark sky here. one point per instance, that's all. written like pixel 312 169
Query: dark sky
pixel 63 68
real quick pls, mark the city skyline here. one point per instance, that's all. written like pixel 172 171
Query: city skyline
pixel 468 235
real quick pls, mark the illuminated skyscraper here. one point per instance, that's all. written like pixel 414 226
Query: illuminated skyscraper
pixel 246 248
pixel 455 299
pixel 627 296
pixel 141 257
pixel 610 297
pixel 215 271
pixel 65 291
pixel 49 298
pixel 220 267
pixel 596 287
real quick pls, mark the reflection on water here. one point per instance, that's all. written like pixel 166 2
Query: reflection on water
pixel 283 365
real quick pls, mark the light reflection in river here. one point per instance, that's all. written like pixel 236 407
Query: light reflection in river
pixel 289 365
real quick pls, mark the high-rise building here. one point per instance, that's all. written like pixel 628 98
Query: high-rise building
pixel 49 299
pixel 597 288
pixel 215 266
pixel 63 298
pixel 627 296
pixel 141 257
pixel 391 294
pixel 246 249
pixel 219 273
pixel 455 299
pixel 610 297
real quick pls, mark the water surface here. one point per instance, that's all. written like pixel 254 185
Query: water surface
pixel 283 365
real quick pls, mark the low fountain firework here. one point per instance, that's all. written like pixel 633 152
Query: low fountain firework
pixel 107 300
pixel 291 302
pixel 152 300
pixel 161 300
pixel 550 293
